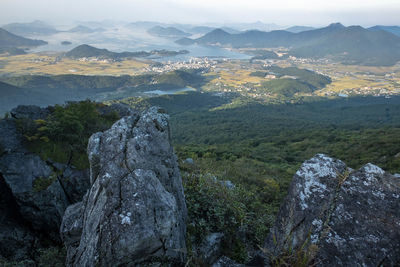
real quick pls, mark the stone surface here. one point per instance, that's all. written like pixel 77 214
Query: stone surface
pixel 135 209
pixel 226 262
pixel 351 218
pixel 10 138
pixel 38 191
pixel 188 161
pixel 210 248
pixel 30 112
pixel 16 239
pixel 42 206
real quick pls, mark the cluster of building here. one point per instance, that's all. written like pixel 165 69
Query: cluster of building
pixel 48 60
pixel 95 59
pixel 193 63
pixel 367 90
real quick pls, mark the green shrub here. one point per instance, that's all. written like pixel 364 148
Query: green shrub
pixel 41 183
pixel 301 256
pixel 64 135
pixel 238 212
pixel 52 257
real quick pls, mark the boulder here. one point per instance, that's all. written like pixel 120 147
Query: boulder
pixel 29 112
pixel 16 239
pixel 42 193
pixel 189 161
pixel 226 262
pixel 134 212
pixel 37 192
pixel 10 138
pixel 337 216
pixel 210 248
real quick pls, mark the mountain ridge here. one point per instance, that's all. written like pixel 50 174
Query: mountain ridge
pixel 10 40
pixel 31 28
pixel 168 32
pixel 350 45
pixel 86 50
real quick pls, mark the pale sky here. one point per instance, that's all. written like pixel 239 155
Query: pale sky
pixel 283 12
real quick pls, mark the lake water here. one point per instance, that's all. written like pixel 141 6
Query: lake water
pixel 125 39
pixel 169 92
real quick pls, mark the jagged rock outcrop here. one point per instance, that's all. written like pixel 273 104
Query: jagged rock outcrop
pixel 134 212
pixel 35 192
pixel 339 216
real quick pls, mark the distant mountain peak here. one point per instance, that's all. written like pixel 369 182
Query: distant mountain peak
pixel 31 28
pixel 218 31
pixel 337 25
pixel 169 32
pixel 355 27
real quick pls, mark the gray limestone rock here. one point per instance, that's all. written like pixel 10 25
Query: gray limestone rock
pixel 40 198
pixel 340 216
pixel 41 191
pixel 210 248
pixel 38 191
pixel 10 138
pixel 16 239
pixel 29 112
pixel 135 210
pixel 226 262
pixel 189 161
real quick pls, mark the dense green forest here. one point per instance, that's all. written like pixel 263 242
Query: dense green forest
pixel 357 130
pixel 176 79
pixel 291 80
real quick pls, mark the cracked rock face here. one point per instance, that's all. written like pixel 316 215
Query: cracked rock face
pixel 135 210
pixel 35 210
pixel 351 218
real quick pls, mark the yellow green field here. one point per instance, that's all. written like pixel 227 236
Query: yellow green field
pixel 53 65
pixel 235 77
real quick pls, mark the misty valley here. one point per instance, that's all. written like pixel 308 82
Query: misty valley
pixel 168 144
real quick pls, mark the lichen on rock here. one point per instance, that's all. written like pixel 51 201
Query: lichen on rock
pixel 349 218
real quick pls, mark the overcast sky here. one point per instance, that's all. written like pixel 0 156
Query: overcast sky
pixel 283 12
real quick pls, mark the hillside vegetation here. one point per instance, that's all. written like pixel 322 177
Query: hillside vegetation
pixel 292 80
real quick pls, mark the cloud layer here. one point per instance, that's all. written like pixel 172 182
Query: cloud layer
pixel 286 12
